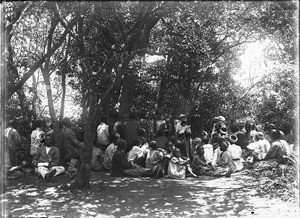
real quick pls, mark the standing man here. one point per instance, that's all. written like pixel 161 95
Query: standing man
pixel 195 119
pixel 13 143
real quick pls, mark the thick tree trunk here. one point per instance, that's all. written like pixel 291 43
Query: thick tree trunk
pixel 126 99
pixel 82 179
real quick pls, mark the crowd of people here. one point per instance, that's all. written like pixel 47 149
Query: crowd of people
pixel 174 150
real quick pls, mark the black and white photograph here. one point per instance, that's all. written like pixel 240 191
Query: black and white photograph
pixel 137 109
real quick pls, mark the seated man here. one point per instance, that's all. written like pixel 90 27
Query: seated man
pixel 122 167
pixel 46 160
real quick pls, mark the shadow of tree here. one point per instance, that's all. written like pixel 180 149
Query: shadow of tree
pixel 135 197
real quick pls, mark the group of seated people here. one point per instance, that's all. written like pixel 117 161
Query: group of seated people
pixel 220 153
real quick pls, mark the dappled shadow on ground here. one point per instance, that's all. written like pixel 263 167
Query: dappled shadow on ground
pixel 136 197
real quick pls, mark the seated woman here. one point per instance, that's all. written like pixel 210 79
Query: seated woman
pixel 155 158
pixel 258 149
pixel 222 161
pixel 109 152
pixel 275 154
pixel 122 167
pixel 236 152
pixel 199 164
pixel 137 154
pixel 178 166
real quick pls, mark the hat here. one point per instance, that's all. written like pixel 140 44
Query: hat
pixel 197 139
pixel 223 130
pixel 233 138
pixel 181 115
pixel 259 135
pixel 221 118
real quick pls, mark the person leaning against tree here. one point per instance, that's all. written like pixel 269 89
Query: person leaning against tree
pixel 72 146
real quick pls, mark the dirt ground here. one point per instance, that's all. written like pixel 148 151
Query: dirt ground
pixel 142 197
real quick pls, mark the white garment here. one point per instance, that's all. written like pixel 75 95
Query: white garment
pixel 36 136
pixel 102 134
pixel 44 170
pixel 47 149
pixel 208 153
pixel 136 151
pixel 261 147
pixel 235 151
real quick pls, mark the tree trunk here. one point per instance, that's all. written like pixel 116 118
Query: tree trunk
pixel 3 101
pixel 63 97
pixel 127 95
pixel 83 176
pixel 35 96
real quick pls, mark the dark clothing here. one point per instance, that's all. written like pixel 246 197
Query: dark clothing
pixel 71 146
pixel 119 164
pixel 161 141
pixel 131 129
pixel 196 122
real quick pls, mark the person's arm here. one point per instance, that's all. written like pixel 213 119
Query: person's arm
pixel 55 160
pixel 272 152
pixel 36 158
pixel 17 138
pixel 73 139
pixel 228 159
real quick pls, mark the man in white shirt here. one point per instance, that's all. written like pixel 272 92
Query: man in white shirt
pixel 103 134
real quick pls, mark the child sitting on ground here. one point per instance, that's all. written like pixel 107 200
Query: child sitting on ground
pixel 155 157
pixel 178 166
pixel 199 165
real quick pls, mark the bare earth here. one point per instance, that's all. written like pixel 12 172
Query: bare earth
pixel 142 197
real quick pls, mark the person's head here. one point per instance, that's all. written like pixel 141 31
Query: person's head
pixel 248 126
pixel 103 119
pixel 37 124
pixel 66 122
pixel 115 138
pixel 234 128
pixel 197 102
pixel 173 139
pixel 12 123
pixel 200 150
pixel 184 123
pixel 205 139
pixel 259 136
pixel 121 143
pixel 176 152
pixel 275 134
pixel 153 145
pixel 142 132
pixel 170 146
pixel 187 133
pixel 132 115
pixel 136 142
pixel 233 138
pixel 178 144
pixel 218 127
pixel 48 140
pixel 182 117
pixel 197 141
pixel 223 144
